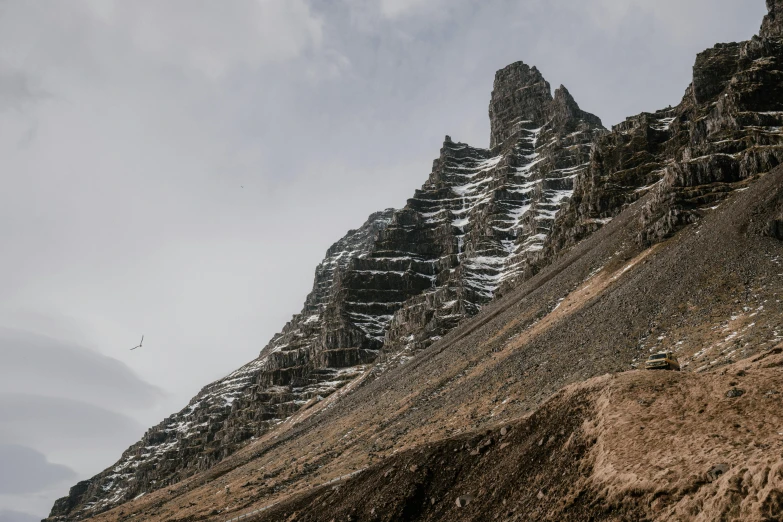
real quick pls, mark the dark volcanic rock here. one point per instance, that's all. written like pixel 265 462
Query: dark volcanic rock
pixel 716 471
pixel 75 497
pixel 520 94
pixel 568 117
pixel 734 393
pixel 713 70
pixel 482 211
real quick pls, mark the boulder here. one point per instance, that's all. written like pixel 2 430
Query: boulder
pixel 463 500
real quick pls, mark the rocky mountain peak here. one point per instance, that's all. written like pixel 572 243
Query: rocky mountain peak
pixel 520 95
pixel 522 100
pixel 689 158
pixel 386 290
pixel 772 26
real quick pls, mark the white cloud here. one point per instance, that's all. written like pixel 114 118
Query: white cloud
pixel 210 38
pixel 215 37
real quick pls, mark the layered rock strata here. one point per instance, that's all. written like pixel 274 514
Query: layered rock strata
pixel 727 129
pixel 481 210
pixel 290 373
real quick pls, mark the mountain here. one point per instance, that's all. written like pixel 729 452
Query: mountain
pixel 562 252
pixel 384 291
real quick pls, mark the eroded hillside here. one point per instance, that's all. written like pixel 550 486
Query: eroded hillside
pixel 632 446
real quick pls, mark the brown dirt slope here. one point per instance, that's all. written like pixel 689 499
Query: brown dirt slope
pixel 632 446
pixel 712 293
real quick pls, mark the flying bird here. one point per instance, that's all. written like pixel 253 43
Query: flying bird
pixel 140 343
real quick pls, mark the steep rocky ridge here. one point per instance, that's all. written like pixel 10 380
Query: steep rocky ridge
pixel 488 219
pixel 482 209
pixel 388 289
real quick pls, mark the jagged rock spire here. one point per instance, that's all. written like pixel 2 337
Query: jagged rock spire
pixel 520 93
pixel 522 99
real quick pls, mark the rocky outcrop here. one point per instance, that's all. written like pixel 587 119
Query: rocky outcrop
pixel 75 498
pixel 483 210
pixel 727 137
pixel 772 26
pixel 726 130
pixel 713 70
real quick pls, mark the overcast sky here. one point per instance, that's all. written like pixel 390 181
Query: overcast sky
pixel 129 129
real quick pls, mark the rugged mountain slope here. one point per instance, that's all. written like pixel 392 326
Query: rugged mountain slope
pixel 486 219
pixel 712 293
pixel 726 129
pixel 398 283
pixel 631 446
pixel 480 209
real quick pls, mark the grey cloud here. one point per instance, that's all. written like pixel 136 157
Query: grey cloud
pixel 26 470
pixel 399 8
pixel 82 436
pixel 196 36
pixel 59 423
pixel 7 515
pixel 36 364
pixel 268 31
pixel 17 90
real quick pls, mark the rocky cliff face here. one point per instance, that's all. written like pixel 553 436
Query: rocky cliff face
pixel 727 130
pixel 483 221
pixel 772 26
pixel 483 209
